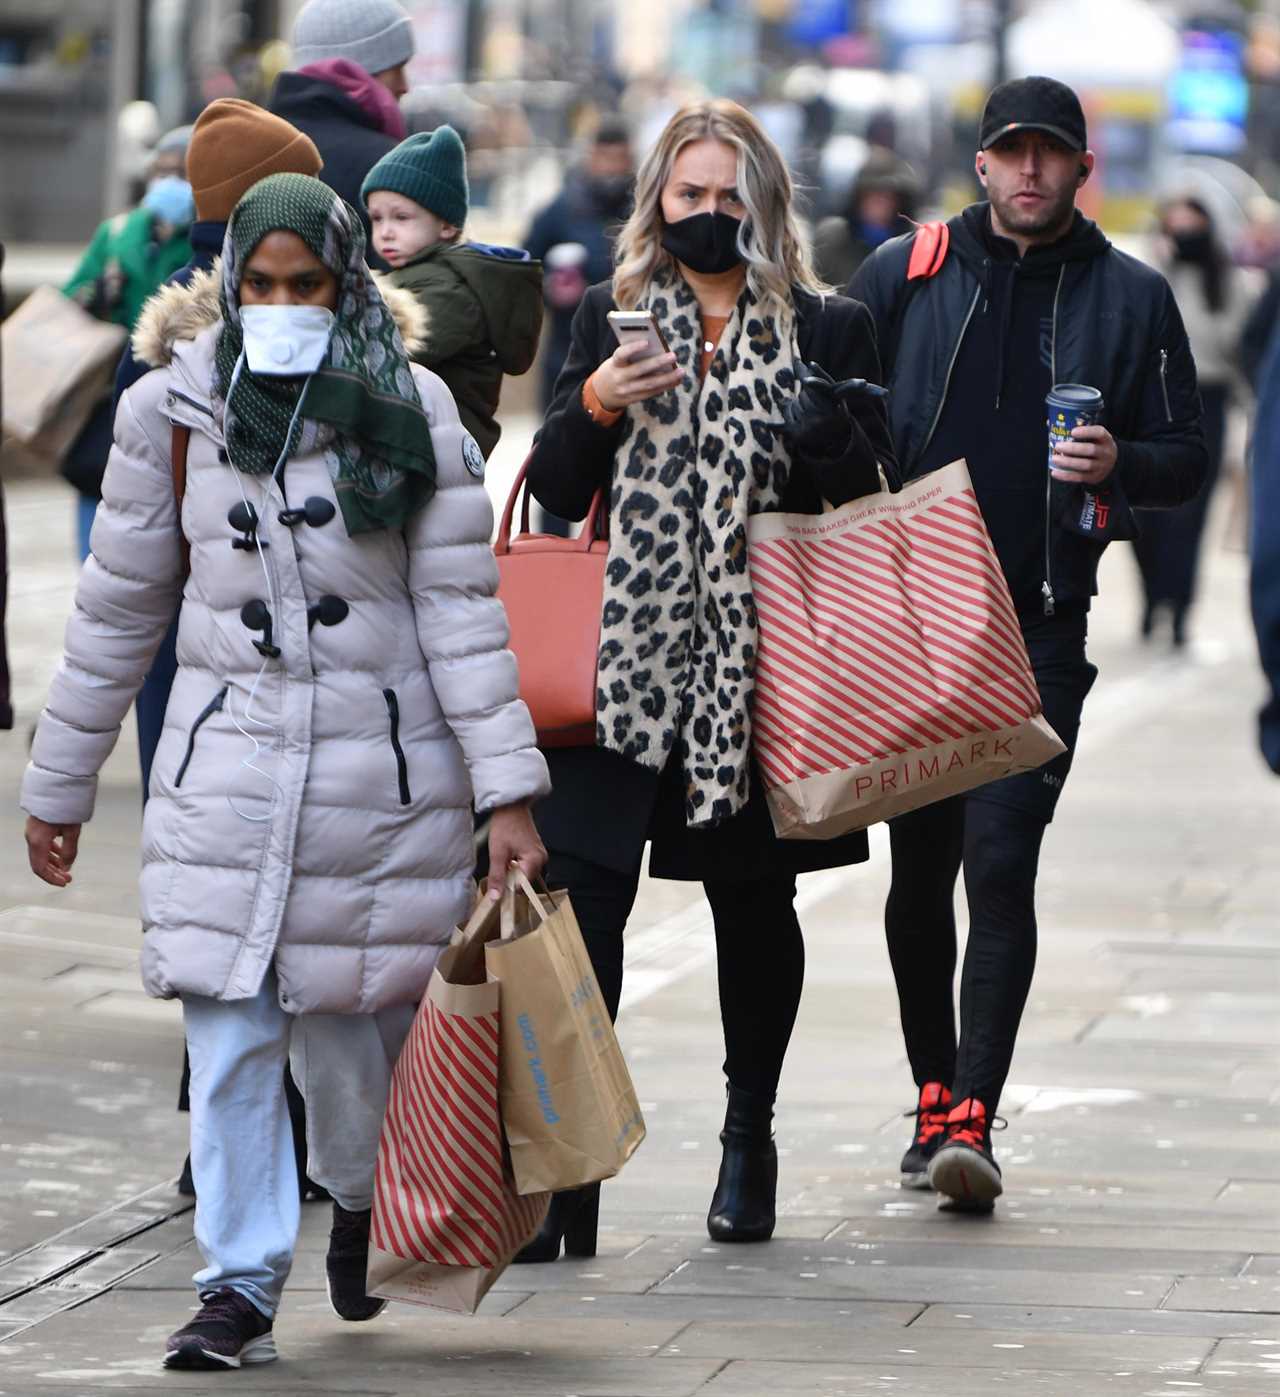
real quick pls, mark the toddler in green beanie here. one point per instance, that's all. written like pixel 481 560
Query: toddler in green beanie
pixel 483 304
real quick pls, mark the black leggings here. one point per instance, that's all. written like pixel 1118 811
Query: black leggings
pixel 759 952
pixel 999 849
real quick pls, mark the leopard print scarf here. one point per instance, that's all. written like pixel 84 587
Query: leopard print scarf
pixel 678 628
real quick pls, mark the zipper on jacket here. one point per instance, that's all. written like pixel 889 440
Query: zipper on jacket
pixel 402 766
pixel 190 402
pixel 1046 587
pixel 946 382
pixel 1164 384
pixel 213 706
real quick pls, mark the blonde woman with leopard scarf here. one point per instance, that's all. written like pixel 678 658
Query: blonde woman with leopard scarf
pixel 691 443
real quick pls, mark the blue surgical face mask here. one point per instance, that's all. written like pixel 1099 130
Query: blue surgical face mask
pixel 171 200
pixel 285 341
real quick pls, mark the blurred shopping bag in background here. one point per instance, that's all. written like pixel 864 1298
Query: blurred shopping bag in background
pixel 58 364
pixel 892 670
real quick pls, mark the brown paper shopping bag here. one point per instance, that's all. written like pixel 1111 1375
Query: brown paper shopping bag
pixel 58 362
pixel 892 670
pixel 447 1217
pixel 568 1105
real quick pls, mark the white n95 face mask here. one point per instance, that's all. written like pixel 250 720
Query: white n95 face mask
pixel 285 341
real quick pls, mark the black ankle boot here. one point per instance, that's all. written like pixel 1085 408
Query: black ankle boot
pixel 742 1208
pixel 571 1219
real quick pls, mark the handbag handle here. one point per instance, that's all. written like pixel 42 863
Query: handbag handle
pixel 586 535
pixel 517 881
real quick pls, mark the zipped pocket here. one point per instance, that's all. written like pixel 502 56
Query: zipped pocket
pixel 402 766
pixel 1164 383
pixel 213 706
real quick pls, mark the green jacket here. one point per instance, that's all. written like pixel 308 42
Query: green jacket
pixel 124 266
pixel 484 316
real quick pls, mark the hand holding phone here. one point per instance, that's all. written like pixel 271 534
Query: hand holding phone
pixel 641 367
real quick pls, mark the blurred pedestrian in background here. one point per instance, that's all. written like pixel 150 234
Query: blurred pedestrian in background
pixel 298 886
pixel 6 697
pixel 573 237
pixel 130 256
pixel 1264 574
pixel 883 199
pixel 1215 299
pixel 714 250
pixel 234 144
pixel 345 88
pixel 483 304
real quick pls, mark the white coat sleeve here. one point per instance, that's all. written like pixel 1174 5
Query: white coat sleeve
pixel 127 595
pixel 462 626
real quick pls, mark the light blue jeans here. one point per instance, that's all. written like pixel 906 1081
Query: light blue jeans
pixel 241 1143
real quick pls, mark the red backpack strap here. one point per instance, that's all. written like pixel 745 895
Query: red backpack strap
pixel 178 459
pixel 928 251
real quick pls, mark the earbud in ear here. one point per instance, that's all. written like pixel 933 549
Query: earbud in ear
pixel 1084 172
pixel 982 169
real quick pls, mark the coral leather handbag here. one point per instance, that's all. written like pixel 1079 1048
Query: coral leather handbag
pixel 553 589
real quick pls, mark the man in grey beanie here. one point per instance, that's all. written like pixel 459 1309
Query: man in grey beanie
pixel 348 75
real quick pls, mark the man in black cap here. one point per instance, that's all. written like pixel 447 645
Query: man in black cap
pixel 977 319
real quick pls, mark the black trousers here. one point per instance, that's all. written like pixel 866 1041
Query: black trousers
pixel 999 848
pixel 995 834
pixel 759 951
pixel 1168 549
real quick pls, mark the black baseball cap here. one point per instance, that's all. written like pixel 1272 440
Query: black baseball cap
pixel 1033 104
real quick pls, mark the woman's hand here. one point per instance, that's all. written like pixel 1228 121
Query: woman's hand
pixel 513 838
pixel 52 850
pixel 631 374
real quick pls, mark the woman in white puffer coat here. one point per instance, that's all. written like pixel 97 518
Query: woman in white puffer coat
pixel 344 698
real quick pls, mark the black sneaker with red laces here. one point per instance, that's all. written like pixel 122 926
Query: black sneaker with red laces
pixel 228 1331
pixel 963 1169
pixel 931 1121
pixel 346 1264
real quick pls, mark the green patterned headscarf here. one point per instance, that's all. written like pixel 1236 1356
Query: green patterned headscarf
pixel 361 406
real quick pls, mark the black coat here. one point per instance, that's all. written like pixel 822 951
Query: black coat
pixel 1115 326
pixel 347 137
pixel 603 807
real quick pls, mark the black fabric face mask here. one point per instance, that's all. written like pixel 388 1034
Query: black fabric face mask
pixel 612 193
pixel 1192 247
pixel 704 242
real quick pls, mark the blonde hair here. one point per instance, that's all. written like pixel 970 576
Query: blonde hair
pixel 772 246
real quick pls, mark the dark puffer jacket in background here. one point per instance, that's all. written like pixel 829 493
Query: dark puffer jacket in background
pixel 347 137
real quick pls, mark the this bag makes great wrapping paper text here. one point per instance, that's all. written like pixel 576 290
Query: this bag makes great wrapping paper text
pixel 892 670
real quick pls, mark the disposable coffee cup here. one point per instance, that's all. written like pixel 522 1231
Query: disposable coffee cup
pixel 1070 405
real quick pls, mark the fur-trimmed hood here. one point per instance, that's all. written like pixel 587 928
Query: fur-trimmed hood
pixel 179 313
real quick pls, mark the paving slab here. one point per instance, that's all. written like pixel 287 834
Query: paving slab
pixel 1096 1320
pixel 1252 1294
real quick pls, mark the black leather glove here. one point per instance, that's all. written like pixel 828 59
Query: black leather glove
pixel 819 428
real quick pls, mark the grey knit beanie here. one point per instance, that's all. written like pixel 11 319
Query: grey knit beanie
pixel 376 34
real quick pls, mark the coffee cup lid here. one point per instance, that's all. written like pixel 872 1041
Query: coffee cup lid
pixel 1075 395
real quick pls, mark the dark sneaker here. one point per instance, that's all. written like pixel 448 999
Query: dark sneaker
pixel 931 1120
pixel 228 1331
pixel 346 1265
pixel 963 1169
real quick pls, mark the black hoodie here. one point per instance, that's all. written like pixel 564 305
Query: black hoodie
pixel 994 413
pixel 964 358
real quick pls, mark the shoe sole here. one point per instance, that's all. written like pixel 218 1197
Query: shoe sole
pixel 917 1179
pixel 352 1319
pixel 191 1356
pixel 963 1175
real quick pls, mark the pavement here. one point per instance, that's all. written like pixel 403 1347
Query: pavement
pixel 1136 1252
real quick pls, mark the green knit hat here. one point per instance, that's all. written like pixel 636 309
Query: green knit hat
pixel 429 168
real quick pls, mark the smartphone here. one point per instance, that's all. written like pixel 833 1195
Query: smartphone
pixel 631 326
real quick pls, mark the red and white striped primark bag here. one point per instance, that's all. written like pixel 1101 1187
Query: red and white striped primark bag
pixel 892 670
pixel 446 1215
